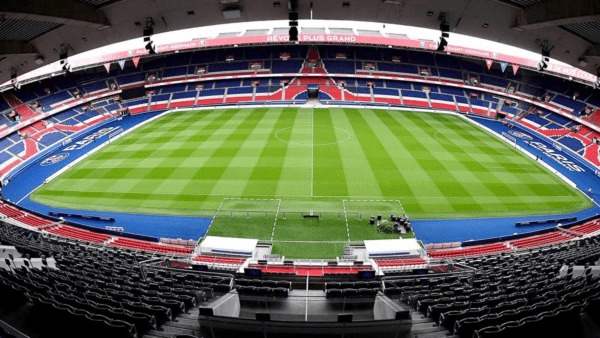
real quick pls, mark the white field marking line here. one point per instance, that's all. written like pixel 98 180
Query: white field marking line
pixel 312 149
pixel 31 192
pixel 275 223
pixel 319 196
pixel 466 152
pixel 346 217
pixel 401 207
pixel 215 215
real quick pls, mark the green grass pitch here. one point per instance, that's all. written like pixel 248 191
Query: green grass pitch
pixel 255 165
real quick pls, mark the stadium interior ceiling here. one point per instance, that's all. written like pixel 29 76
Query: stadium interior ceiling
pixel 30 28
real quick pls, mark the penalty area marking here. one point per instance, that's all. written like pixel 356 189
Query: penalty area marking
pixel 346 217
pixel 275 222
pixel 250 199
pixel 399 203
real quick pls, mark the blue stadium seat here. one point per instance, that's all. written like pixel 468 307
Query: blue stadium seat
pixel 410 93
pixel 398 84
pixel 363 82
pixel 494 81
pixel 340 67
pixel 227 83
pixel 126 79
pixel 25 94
pixel 447 61
pixel 572 143
pixel 228 66
pixel 537 119
pixel 172 72
pixel 240 90
pixel 3 104
pixel 205 56
pixel 47 101
pixel 385 91
pixel 94 87
pixel 5 143
pixel 212 92
pixel 5 157
pixel 162 97
pixel 86 116
pixel 450 74
pixel 557 118
pixel 441 97
pixel 173 88
pixel 17 148
pixel 51 138
pixel 185 95
pixel 421 58
pixel 397 68
pixel 178 59
pixel 452 91
pixel 258 53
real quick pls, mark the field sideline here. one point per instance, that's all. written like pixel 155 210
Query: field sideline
pixel 434 165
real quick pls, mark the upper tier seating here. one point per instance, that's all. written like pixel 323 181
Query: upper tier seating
pixel 228 66
pixel 397 68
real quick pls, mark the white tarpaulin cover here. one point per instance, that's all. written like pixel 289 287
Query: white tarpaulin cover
pixel 228 245
pixel 393 247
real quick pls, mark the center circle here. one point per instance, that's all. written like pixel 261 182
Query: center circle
pixel 317 135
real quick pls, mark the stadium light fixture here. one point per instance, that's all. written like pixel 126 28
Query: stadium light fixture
pixel 293 16
pixel 151 47
pixel 147 34
pixel 13 78
pixel 445 29
pixel 64 61
pixel 542 65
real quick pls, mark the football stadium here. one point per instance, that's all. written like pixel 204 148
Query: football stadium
pixel 251 168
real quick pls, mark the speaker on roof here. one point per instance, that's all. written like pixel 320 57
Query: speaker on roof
pixel 206 311
pixel 263 316
pixel 344 318
pixel 293 34
pixel 151 47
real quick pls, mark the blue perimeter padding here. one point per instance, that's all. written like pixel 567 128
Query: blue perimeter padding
pixel 458 230
pixel 150 225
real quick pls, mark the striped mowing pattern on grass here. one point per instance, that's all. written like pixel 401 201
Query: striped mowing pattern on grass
pixel 433 165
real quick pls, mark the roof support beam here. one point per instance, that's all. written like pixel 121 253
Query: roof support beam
pixel 554 13
pixel 65 12
pixel 9 48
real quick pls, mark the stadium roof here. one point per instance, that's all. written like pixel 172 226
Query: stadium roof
pixel 31 28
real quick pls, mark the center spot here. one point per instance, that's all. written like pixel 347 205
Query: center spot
pixel 312 135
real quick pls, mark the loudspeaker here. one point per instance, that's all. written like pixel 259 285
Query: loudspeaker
pixel 263 317
pixel 200 267
pixel 344 318
pixel 402 315
pixel 206 311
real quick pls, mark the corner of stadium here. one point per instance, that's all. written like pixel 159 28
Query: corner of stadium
pixel 237 168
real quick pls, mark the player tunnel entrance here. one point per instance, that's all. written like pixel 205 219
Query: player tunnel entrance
pixel 313 91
